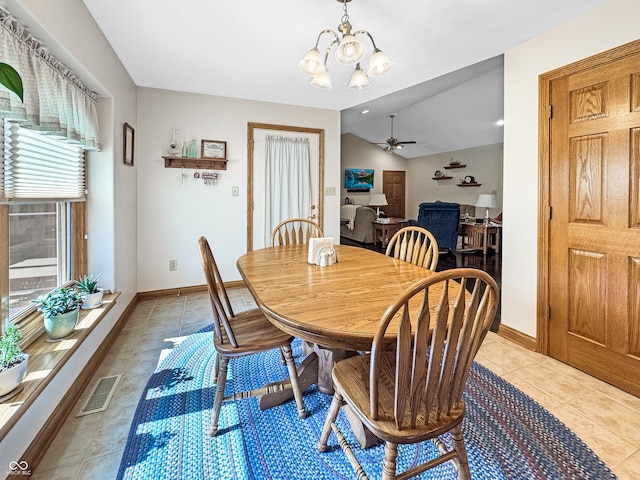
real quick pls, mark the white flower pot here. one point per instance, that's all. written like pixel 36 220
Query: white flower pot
pixel 62 324
pixel 11 378
pixel 92 300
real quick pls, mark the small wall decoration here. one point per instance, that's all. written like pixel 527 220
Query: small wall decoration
pixel 214 149
pixel 468 179
pixel 209 178
pixel 127 143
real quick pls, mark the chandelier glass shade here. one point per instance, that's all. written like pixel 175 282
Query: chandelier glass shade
pixel 349 51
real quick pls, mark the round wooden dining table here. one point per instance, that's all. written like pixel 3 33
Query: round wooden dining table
pixel 336 306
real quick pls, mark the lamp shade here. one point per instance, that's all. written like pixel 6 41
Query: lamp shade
pixel 380 63
pixel 322 80
pixel 378 200
pixel 359 79
pixel 311 64
pixel 487 200
pixel 350 50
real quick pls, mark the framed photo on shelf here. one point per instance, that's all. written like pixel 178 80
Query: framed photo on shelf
pixel 214 149
pixel 127 144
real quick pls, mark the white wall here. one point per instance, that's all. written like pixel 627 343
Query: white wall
pixel 484 163
pixel 69 32
pixel 607 27
pixel 173 213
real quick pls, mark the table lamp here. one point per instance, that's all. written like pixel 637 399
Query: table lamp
pixel 487 200
pixel 378 200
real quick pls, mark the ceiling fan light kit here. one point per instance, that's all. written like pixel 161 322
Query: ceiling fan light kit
pixel 393 143
pixel 349 51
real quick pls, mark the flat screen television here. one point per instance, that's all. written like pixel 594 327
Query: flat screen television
pixel 358 179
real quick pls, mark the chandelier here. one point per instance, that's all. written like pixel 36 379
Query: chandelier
pixel 349 51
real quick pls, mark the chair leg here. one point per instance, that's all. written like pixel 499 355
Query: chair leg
pixel 336 403
pixel 461 450
pixel 295 382
pixel 389 464
pixel 216 368
pixel 217 402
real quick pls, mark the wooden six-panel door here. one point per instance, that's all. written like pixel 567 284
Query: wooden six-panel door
pixel 393 186
pixel 594 229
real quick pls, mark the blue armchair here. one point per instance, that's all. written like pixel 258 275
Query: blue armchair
pixel 441 219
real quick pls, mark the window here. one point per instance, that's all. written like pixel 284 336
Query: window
pixel 38 251
pixel 43 192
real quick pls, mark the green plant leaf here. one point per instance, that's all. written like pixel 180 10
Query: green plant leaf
pixel 11 79
pixel 10 352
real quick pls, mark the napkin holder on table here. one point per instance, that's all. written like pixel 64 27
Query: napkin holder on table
pixel 315 244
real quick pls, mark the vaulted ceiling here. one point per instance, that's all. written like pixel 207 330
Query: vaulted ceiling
pixel 250 49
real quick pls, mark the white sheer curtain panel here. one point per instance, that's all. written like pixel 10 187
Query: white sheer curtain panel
pixel 55 100
pixel 287 181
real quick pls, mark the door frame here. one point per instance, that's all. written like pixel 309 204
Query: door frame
pixel 544 174
pixel 251 127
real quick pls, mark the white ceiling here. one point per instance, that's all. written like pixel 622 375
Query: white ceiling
pixel 249 49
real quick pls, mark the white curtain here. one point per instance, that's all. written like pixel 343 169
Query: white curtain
pixel 55 100
pixel 287 181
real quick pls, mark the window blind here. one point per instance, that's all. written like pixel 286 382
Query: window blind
pixel 41 167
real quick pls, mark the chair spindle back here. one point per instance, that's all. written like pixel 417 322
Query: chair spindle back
pixel 217 294
pixel 415 245
pixel 295 231
pixel 432 358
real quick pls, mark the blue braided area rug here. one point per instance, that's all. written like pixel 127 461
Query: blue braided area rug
pixel 508 435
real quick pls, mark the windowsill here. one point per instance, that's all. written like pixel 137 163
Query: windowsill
pixel 46 358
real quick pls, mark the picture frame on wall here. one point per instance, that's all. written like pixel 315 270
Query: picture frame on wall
pixel 127 144
pixel 214 149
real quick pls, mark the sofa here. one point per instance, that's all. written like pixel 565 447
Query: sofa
pixel 356 223
pixel 441 219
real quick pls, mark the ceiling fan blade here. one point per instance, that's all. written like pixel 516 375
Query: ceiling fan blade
pixel 406 143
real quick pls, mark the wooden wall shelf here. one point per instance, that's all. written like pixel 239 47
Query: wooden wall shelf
pixel 469 184
pixel 198 163
pixel 441 178
pixel 454 166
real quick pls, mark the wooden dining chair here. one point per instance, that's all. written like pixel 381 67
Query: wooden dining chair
pixel 295 231
pixel 240 334
pixel 408 389
pixel 415 245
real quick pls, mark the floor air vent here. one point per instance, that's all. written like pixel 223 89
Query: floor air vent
pixel 99 399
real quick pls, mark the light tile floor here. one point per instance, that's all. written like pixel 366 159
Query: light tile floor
pixel 606 418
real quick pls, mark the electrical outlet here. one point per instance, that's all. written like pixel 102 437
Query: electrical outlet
pixel 173 265
pixel 235 191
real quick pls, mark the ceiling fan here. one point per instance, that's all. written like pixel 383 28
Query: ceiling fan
pixel 393 143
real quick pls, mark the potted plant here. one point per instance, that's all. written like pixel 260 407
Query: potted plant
pixel 60 309
pixel 90 291
pixel 13 362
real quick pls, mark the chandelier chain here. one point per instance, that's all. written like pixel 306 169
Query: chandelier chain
pixel 345 16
